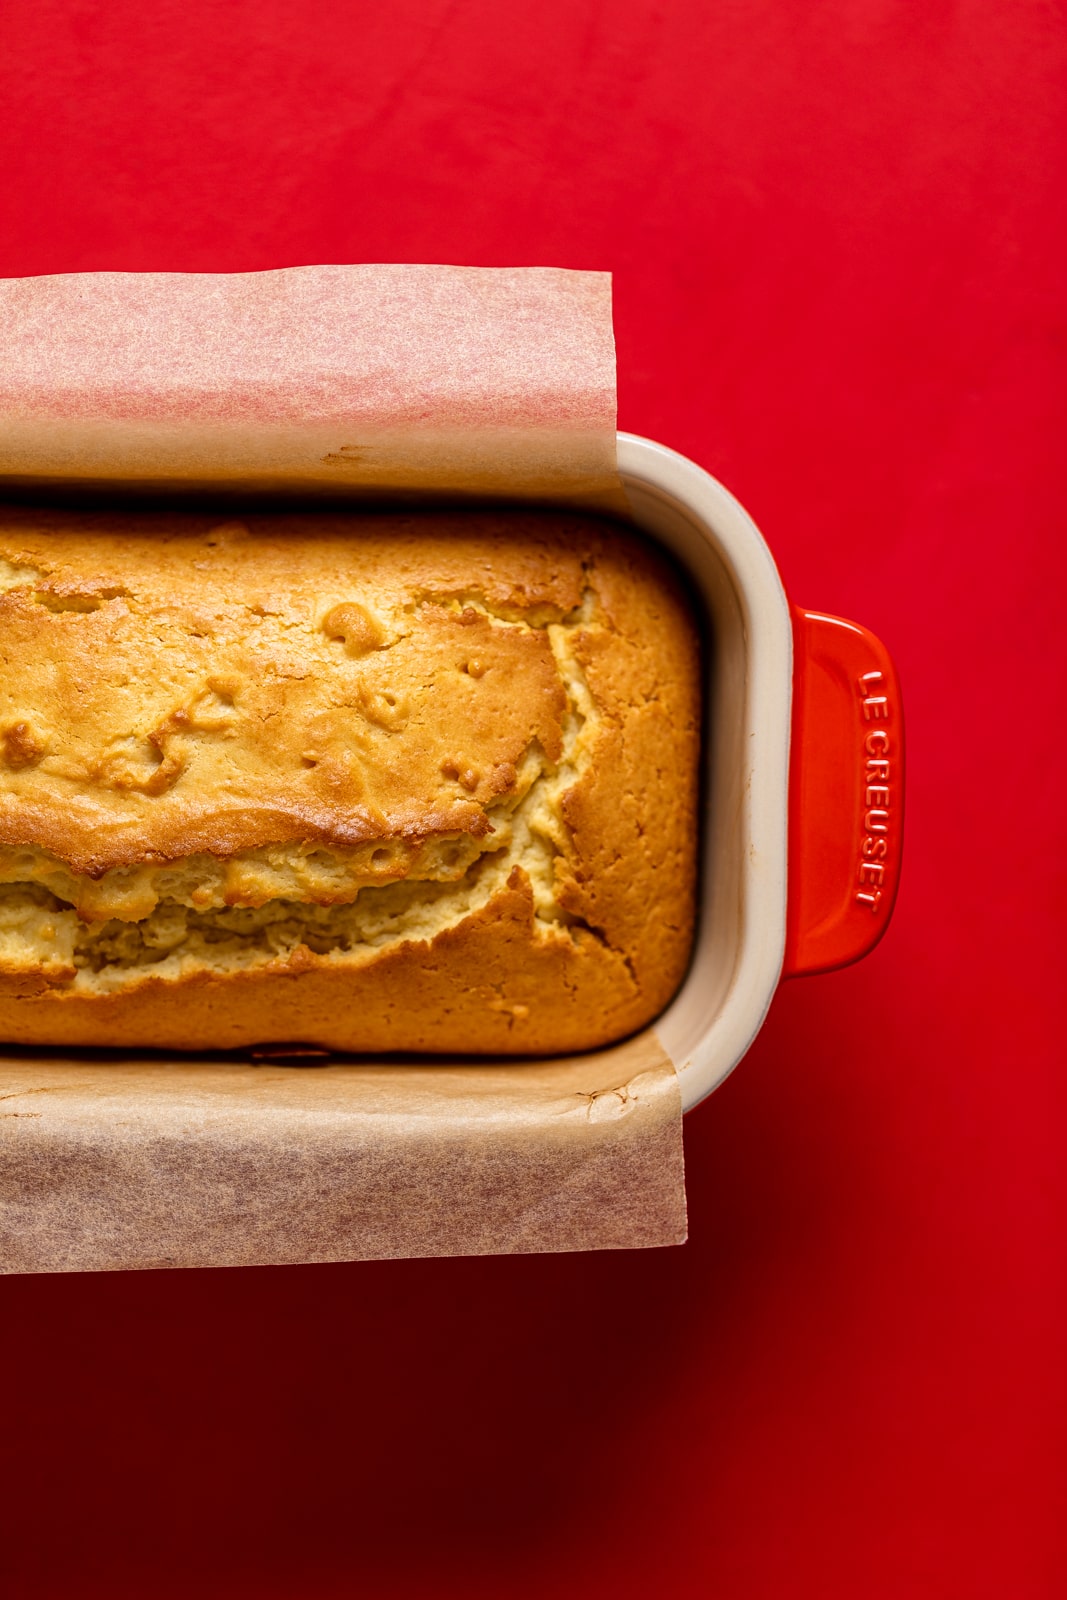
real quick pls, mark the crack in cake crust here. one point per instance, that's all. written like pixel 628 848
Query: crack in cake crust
pixel 40 927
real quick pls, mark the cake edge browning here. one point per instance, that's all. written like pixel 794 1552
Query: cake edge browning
pixel 503 977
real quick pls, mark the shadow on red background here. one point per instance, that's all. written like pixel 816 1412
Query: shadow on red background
pixel 422 1427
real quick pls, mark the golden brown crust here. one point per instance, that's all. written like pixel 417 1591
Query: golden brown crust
pixel 259 722
pixel 462 747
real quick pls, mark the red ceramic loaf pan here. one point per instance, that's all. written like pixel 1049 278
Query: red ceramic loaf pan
pixel 804 784
pixel 804 780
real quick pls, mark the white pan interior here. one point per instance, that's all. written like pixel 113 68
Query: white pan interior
pixel 740 944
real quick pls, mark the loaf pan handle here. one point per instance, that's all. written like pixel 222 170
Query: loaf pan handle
pixel 846 794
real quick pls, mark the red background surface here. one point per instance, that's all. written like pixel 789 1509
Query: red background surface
pixel 837 233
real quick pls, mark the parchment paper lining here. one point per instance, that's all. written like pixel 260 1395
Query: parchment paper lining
pixel 363 382
pixel 108 1165
pixel 337 380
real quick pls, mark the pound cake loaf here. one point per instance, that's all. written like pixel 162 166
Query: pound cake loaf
pixel 369 782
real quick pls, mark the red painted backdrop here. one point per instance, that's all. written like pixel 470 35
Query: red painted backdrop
pixel 837 232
